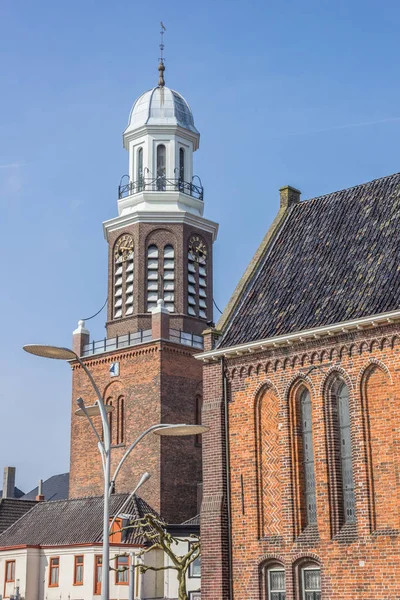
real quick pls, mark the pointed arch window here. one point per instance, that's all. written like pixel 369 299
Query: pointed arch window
pixel 169 278
pixel 123 276
pixel 161 166
pixel 152 277
pixel 308 457
pixel 139 173
pixel 340 459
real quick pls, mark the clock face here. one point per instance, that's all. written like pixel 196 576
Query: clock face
pixel 124 248
pixel 197 248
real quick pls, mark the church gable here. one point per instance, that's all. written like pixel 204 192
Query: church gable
pixel 335 258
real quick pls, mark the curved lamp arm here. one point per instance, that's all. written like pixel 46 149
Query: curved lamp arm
pixel 129 450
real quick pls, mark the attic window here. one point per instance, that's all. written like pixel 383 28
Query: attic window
pixel 116 531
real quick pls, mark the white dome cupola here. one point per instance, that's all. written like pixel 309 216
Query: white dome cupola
pixel 161 138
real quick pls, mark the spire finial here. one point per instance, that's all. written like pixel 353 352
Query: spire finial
pixel 161 66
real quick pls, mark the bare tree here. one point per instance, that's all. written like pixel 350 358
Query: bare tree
pixel 155 532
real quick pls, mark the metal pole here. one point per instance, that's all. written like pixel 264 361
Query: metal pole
pixel 106 447
pixel 131 577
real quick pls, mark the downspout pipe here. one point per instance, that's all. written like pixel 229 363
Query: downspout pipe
pixel 228 476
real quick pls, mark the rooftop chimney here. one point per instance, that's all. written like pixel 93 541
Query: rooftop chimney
pixel 40 496
pixel 289 196
pixel 9 482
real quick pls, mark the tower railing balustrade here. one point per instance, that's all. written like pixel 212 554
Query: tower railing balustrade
pixel 140 337
pixel 161 184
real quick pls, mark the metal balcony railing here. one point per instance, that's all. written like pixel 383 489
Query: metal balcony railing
pixel 140 337
pixel 161 184
pixel 121 341
pixel 187 339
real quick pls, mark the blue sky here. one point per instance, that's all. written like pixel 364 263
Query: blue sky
pixel 302 93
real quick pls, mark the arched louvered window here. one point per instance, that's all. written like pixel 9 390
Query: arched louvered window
pixel 345 453
pixel 308 457
pixel 123 276
pixel 139 173
pixel 152 277
pixel 181 164
pixel 197 277
pixel 169 278
pixel 161 166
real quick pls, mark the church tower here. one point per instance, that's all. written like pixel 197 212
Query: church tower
pixel 159 302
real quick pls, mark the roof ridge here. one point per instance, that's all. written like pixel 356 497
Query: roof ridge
pixel 347 189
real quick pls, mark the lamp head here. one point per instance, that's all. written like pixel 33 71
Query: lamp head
pixel 180 430
pixel 50 351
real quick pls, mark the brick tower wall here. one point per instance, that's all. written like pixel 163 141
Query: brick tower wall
pixel 158 382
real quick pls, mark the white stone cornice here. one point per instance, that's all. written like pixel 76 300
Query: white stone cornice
pixel 160 217
pixel 302 336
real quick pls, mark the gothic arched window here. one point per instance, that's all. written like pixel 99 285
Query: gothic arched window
pixel 308 457
pixel 197 277
pixel 123 276
pixel 345 453
pixel 161 166
pixel 139 173
pixel 169 277
pixel 152 277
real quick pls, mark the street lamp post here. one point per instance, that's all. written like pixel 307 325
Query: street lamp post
pixel 104 445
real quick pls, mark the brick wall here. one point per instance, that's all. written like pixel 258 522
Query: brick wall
pixel 357 560
pixel 158 382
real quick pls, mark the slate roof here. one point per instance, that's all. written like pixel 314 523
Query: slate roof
pixel 11 509
pixel 193 521
pixel 335 258
pixel 75 521
pixel 17 493
pixel 54 488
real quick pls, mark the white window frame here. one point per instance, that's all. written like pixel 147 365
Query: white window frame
pixel 303 587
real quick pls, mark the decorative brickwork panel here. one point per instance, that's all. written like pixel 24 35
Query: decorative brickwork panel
pixel 382 445
pixel 269 460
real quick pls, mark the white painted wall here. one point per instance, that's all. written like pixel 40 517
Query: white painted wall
pixel 170 580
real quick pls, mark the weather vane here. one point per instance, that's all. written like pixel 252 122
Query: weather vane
pixel 161 66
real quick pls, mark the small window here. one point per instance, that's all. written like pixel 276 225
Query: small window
pixel 181 164
pixel 10 571
pixel 54 573
pixel 78 570
pixel 276 584
pixel 311 583
pixel 122 570
pixel 140 169
pixel 98 565
pixel 195 568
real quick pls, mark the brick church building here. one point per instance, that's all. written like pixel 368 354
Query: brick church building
pixel 301 486
pixel 159 300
